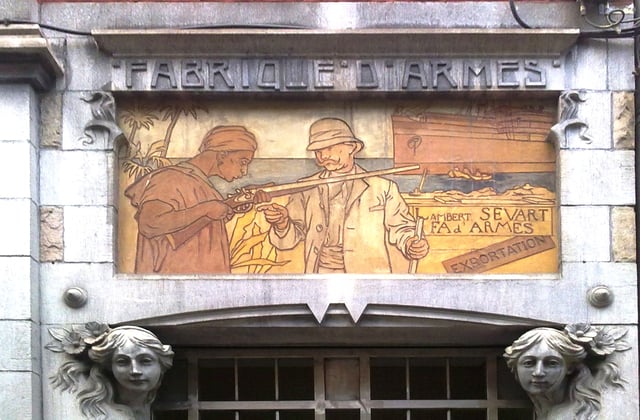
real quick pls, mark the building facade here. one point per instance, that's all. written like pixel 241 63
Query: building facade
pixel 289 343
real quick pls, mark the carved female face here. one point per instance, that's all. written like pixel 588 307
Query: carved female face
pixel 542 370
pixel 136 368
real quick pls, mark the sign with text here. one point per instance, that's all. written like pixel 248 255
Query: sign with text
pixel 499 254
pixel 489 220
pixel 294 74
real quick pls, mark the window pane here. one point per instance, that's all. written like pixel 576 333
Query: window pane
pixel 468 379
pixel 342 379
pixel 216 380
pixel 297 415
pixel 388 414
pixel 469 414
pixel 515 414
pixel 388 379
pixel 257 415
pixel 295 379
pixel 427 379
pixel 429 414
pixel 217 415
pixel 508 387
pixel 174 383
pixel 256 380
pixel 342 414
pixel 170 415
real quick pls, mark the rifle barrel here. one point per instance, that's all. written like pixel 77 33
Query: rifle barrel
pixel 310 183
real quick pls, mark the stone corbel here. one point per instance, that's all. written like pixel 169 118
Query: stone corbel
pixel 569 125
pixel 102 127
pixel 112 372
pixel 565 371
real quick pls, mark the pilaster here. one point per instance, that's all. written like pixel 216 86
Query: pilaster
pixel 27 67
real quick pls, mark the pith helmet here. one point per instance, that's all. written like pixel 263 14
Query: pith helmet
pixel 329 132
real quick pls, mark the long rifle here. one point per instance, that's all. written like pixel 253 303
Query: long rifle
pixel 242 200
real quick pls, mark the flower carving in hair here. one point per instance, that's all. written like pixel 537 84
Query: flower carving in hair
pixel 581 333
pixel 73 343
pixel 608 341
pixel 599 341
pixel 98 332
pixel 77 340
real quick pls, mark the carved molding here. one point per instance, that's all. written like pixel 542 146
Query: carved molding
pixel 103 126
pixel 304 315
pixel 565 371
pixel 336 323
pixel 569 126
pixel 427 41
pixel 113 373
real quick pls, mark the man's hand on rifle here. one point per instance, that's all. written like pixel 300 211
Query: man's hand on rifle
pixel 217 210
pixel 276 215
pixel 261 196
pixel 417 248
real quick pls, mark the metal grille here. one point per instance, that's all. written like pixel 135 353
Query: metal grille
pixel 345 384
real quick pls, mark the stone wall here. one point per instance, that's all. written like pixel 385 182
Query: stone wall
pixel 59 209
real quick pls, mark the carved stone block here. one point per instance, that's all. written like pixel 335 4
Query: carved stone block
pixel 623 224
pixel 623 120
pixel 51 234
pixel 51 120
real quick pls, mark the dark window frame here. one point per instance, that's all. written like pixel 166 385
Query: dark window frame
pixel 320 404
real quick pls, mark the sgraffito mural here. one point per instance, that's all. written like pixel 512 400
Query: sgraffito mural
pixel 299 186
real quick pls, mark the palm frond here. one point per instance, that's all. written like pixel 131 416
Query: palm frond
pixel 135 169
pixel 159 161
pixel 138 116
pixel 244 247
pixel 240 229
pixel 155 148
pixel 260 261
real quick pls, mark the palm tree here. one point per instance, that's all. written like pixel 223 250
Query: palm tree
pixel 172 113
pixel 137 117
pixel 138 163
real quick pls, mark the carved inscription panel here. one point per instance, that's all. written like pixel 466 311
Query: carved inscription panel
pixel 336 74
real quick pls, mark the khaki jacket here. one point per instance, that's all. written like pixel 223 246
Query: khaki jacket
pixel 376 229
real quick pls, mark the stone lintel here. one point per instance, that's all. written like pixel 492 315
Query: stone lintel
pixel 307 42
pixel 26 57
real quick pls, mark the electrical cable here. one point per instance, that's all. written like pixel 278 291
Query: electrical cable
pixel 631 32
pixel 624 33
pixel 516 16
pixel 8 22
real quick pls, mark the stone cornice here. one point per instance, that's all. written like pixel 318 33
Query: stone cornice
pixel 307 42
pixel 26 57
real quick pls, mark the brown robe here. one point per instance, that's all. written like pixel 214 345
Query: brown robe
pixel 201 246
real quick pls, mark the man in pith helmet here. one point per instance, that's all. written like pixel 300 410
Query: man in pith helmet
pixel 347 227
